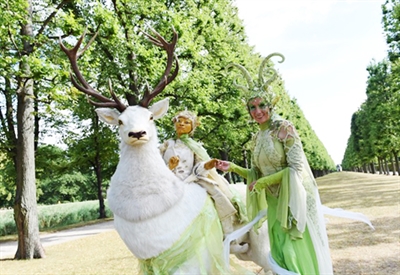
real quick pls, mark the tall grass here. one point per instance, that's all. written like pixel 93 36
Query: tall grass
pixel 54 216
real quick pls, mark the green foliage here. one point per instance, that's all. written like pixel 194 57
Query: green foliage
pixel 375 127
pixel 124 55
pixel 391 26
pixel 54 216
pixel 7 182
pixel 59 181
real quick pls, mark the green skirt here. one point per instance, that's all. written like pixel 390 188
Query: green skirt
pixel 297 255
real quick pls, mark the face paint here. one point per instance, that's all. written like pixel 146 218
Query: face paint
pixel 259 110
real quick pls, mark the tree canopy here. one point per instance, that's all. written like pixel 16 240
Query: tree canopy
pixel 375 128
pixel 211 36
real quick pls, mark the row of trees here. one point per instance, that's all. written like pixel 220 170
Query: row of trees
pixel 374 143
pixel 38 101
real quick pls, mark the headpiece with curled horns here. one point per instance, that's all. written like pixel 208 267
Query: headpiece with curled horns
pixel 261 88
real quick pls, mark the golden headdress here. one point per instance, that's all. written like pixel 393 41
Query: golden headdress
pixel 261 88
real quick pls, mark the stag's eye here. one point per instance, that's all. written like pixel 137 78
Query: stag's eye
pixel 151 117
pixel 120 122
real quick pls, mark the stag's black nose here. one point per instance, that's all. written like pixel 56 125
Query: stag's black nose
pixel 137 135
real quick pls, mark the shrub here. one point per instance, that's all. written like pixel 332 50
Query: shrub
pixel 56 215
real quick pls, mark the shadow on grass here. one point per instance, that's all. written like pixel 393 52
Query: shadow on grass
pixel 7 259
pixel 348 266
pixel 361 191
pixel 386 231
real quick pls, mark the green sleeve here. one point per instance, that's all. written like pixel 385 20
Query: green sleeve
pixel 264 182
pixel 238 170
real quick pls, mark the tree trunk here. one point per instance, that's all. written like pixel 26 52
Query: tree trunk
pixel 365 168
pixel 373 171
pixel 97 169
pixel 396 160
pixel 387 172
pixel 102 208
pixel 393 166
pixel 380 166
pixel 37 119
pixel 25 207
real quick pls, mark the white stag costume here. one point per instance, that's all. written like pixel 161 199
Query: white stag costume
pixel 172 227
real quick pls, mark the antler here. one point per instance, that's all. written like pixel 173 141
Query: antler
pixel 166 78
pixel 76 75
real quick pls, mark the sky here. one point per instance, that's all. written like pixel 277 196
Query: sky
pixel 327 47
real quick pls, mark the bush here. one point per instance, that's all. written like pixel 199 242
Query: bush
pixel 56 215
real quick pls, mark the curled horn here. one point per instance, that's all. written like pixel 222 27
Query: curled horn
pixel 263 83
pixel 246 75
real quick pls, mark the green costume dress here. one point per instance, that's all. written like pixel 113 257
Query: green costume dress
pixel 285 184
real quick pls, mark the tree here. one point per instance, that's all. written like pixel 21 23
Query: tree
pixel 93 150
pixel 382 110
pixel 22 66
pixel 203 85
pixel 25 209
pixel 375 128
pixel 391 26
pixel 394 80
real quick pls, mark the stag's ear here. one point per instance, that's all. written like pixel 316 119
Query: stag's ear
pixel 108 115
pixel 160 108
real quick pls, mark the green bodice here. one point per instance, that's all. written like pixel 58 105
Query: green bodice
pixel 269 155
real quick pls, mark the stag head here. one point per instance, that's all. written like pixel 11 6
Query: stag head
pixel 82 85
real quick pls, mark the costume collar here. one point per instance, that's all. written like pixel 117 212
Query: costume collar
pixel 184 136
pixel 265 125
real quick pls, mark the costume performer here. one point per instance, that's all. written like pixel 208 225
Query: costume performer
pixel 281 179
pixel 190 162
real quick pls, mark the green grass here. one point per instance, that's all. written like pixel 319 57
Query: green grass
pixel 355 248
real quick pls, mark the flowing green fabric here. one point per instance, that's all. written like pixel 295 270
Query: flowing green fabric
pixel 254 201
pixel 283 211
pixel 203 235
pixel 297 255
pixel 195 147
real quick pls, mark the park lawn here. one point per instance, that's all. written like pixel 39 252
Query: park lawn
pixel 355 248
pixel 104 253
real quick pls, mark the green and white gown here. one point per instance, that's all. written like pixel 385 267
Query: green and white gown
pixel 298 238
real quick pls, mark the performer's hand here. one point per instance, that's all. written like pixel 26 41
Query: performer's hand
pixel 222 165
pixel 210 164
pixel 251 186
pixel 173 162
